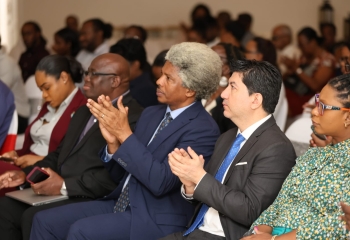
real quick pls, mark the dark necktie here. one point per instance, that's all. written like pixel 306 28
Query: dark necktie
pixel 218 176
pixel 123 200
pixel 88 125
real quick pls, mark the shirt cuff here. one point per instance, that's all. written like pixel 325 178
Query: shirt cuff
pixel 189 196
pixel 107 157
pixel 184 195
pixel 64 189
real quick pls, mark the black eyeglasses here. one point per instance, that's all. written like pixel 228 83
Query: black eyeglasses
pixel 93 74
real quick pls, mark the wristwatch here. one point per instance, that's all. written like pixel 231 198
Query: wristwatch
pixel 299 70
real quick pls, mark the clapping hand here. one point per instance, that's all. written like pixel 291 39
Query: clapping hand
pixel 113 122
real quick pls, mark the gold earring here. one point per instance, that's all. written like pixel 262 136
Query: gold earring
pixel 345 125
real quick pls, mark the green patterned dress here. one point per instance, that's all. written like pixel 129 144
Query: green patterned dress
pixel 309 199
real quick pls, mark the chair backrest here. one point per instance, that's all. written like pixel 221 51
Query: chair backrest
pixel 10 141
pixel 299 133
pixel 34 96
pixel 282 114
pixel 300 130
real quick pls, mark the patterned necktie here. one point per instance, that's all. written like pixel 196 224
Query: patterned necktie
pixel 123 200
pixel 218 176
pixel 163 124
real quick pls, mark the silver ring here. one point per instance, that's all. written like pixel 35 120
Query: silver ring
pixel 102 115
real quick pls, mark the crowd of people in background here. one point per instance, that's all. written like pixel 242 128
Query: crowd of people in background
pixel 172 175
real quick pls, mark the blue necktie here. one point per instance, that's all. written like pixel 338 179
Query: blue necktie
pixel 218 176
pixel 123 200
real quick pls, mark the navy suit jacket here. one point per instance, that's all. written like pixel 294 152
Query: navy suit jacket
pixel 157 206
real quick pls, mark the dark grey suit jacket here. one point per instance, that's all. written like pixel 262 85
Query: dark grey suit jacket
pixel 265 160
pixel 79 164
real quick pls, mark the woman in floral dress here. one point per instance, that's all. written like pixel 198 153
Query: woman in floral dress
pixel 307 206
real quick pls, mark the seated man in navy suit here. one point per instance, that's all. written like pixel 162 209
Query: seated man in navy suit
pixel 147 204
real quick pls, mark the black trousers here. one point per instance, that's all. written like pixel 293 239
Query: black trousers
pixel 195 235
pixel 16 217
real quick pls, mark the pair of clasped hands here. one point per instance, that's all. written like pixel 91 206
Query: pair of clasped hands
pixel 113 122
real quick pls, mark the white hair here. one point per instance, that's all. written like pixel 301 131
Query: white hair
pixel 199 67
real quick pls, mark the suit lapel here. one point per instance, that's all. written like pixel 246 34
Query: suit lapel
pixel 74 131
pixel 94 127
pixel 147 130
pixel 221 152
pixel 180 121
pixel 172 127
pixel 249 144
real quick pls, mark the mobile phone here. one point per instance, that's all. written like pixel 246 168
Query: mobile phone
pixel 320 136
pixel 37 175
pixel 6 159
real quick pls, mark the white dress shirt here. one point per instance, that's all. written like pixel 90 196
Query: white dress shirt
pixel 211 221
pixel 41 130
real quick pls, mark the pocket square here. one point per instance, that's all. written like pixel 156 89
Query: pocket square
pixel 241 163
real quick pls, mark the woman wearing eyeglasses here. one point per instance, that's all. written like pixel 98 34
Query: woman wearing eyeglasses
pixel 307 206
pixel 56 77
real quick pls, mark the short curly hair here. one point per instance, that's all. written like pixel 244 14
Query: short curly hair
pixel 199 67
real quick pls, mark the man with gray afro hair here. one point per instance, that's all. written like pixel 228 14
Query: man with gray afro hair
pixel 199 67
pixel 147 203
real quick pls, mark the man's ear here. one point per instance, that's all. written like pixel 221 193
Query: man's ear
pixel 116 81
pixel 257 100
pixel 190 93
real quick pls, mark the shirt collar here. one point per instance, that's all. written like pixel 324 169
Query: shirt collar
pixel 116 99
pixel 251 129
pixel 175 113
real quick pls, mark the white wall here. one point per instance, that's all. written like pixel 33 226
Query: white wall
pixel 9 22
pixel 267 13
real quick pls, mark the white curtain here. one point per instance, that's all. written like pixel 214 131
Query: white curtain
pixel 9 27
